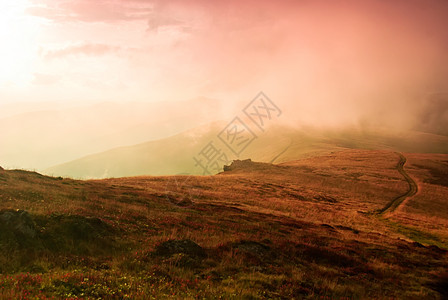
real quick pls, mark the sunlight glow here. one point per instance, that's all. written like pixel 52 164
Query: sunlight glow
pixel 17 42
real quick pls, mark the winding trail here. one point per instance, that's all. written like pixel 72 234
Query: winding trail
pixel 281 153
pixel 413 188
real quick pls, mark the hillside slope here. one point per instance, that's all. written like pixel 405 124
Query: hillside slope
pixel 175 155
pixel 300 229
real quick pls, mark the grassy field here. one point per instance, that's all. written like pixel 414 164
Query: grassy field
pixel 300 229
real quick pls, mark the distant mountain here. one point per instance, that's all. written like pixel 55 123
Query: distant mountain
pixel 42 138
pixel 175 155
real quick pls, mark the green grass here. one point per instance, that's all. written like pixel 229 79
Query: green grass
pixel 416 235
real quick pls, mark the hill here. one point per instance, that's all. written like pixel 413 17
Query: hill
pixel 174 155
pixel 307 228
pixel 41 138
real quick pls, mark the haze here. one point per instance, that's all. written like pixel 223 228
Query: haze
pixel 79 77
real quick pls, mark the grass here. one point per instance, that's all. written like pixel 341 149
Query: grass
pixel 417 235
pixel 297 230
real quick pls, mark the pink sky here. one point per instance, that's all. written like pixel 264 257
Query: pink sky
pixel 307 54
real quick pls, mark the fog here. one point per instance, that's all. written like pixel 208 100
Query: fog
pixel 91 76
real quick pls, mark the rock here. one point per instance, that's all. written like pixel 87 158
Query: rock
pixel 239 164
pixel 18 222
pixel 187 247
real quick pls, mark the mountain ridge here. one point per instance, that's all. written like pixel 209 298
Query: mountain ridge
pixel 279 143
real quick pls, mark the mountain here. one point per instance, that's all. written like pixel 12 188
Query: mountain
pixel 39 139
pixel 175 155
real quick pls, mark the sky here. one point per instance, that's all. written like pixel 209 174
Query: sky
pixel 323 61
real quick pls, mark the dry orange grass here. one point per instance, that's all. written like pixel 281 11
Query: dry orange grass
pixel 428 209
pixel 316 214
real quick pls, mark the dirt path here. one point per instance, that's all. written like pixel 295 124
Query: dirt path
pixel 281 153
pixel 413 188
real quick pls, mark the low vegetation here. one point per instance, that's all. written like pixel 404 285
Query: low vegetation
pixel 303 229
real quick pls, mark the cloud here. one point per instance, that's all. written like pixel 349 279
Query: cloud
pixel 91 11
pixel 86 49
pixel 45 79
pixel 157 21
pixel 324 59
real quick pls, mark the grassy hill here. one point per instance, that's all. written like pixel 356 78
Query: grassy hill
pixel 174 155
pixel 306 228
